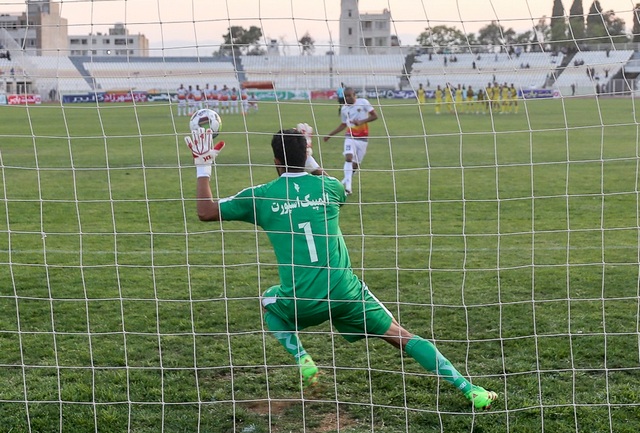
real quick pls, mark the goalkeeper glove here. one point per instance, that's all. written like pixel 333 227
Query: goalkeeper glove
pixel 204 152
pixel 305 130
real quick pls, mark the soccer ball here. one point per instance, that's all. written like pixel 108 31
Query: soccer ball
pixel 207 119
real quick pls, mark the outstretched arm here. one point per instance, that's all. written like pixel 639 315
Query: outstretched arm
pixel 339 129
pixel 208 209
pixel 204 154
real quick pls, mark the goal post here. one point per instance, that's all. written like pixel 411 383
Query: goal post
pixel 495 215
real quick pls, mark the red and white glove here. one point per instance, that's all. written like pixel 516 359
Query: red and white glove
pixel 203 150
pixel 307 131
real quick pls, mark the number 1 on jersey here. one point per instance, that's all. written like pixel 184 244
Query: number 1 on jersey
pixel 308 234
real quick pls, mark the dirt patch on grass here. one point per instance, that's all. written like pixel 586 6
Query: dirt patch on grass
pixel 324 421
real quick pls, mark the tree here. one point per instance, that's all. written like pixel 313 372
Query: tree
pixel 636 23
pixel 536 37
pixel 525 38
pixel 495 34
pixel 576 21
pixel 307 44
pixel 542 31
pixel 595 22
pixel 442 38
pixel 240 41
pixel 558 23
pixel 616 29
pixel 604 27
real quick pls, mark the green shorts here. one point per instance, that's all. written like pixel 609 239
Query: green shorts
pixel 354 319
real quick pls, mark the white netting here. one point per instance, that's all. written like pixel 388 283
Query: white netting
pixel 502 227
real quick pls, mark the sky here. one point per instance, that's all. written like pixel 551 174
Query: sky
pixel 195 27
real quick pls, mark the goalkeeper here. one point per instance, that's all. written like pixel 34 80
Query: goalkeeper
pixel 299 213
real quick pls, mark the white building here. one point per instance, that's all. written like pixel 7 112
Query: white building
pixel 366 33
pixel 40 30
pixel 118 42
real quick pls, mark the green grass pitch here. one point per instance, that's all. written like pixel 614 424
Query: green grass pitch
pixel 510 240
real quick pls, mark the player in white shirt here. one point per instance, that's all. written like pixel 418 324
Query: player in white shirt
pixel 198 98
pixel 207 96
pixel 224 99
pixel 190 101
pixel 214 96
pixel 244 100
pixel 252 103
pixel 182 94
pixel 235 101
pixel 355 116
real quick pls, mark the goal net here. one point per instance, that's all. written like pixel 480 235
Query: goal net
pixel 495 214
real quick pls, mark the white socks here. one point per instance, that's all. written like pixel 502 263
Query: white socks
pixel 348 175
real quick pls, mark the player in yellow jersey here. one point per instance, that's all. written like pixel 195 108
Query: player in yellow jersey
pixel 421 94
pixel 448 98
pixel 504 96
pixel 488 95
pixel 459 99
pixel 469 104
pixel 513 98
pixel 495 97
pixel 481 105
pixel 438 96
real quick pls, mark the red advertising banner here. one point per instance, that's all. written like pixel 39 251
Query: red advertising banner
pixel 323 94
pixel 26 99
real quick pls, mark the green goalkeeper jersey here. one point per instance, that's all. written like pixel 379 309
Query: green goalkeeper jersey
pixel 300 214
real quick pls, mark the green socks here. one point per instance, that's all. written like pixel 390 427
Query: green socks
pixel 282 331
pixel 418 348
pixel 431 359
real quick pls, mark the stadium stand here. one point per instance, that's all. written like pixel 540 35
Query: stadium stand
pixel 7 65
pixel 525 71
pixel 55 72
pixel 590 68
pixel 159 74
pixel 325 72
